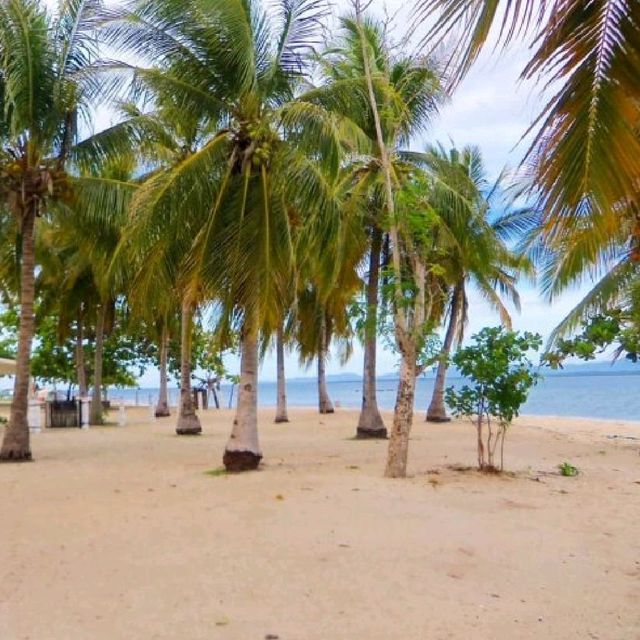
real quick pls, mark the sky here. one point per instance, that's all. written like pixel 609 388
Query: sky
pixel 492 109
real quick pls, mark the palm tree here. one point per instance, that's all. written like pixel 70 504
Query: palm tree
pixel 600 249
pixel 87 232
pixel 282 414
pixel 42 93
pixel 584 161
pixel 408 88
pixel 469 247
pixel 163 141
pixel 269 156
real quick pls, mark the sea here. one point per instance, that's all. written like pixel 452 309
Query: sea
pixel 606 395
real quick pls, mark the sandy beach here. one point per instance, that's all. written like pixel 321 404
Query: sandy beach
pixel 119 533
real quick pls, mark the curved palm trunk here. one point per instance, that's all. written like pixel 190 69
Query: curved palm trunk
pixel 15 444
pixel 188 421
pixel 95 417
pixel 437 412
pixel 324 401
pixel 402 417
pixel 370 423
pixel 281 410
pixel 242 452
pixel 81 369
pixel 162 408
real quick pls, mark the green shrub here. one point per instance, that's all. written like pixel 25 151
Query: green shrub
pixel 501 376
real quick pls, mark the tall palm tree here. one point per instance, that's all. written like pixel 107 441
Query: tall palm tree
pixel 42 94
pixel 408 89
pixel 469 247
pixel 270 157
pixel 584 161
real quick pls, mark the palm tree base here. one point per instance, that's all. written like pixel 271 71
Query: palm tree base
pixel 237 461
pixel 371 434
pixel 281 419
pixel 15 454
pixel 162 412
pixel 327 410
pixel 438 419
pixel 189 426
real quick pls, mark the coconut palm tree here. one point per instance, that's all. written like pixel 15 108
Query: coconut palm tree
pixel 584 161
pixel 44 91
pixel 87 231
pixel 599 249
pixel 163 140
pixel 470 249
pixel 269 159
pixel 408 87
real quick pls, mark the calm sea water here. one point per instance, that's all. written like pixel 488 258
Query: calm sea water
pixel 592 396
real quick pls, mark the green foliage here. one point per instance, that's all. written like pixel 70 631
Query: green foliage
pixel 611 328
pixel 568 470
pixel 501 376
pixel 126 354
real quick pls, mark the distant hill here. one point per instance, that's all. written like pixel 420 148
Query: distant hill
pixel 621 367
pixel 334 377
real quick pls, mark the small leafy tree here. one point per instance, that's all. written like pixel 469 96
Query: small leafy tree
pixel 500 375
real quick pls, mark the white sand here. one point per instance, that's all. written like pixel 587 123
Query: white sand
pixel 118 534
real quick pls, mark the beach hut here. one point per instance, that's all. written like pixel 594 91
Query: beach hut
pixel 7 367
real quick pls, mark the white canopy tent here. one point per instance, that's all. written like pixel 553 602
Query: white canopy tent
pixel 7 367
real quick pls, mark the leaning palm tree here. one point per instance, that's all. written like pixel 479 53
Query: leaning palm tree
pixel 43 91
pixel 269 159
pixel 468 247
pixel 584 161
pixel 407 89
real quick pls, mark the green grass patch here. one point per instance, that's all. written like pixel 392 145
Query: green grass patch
pixel 568 470
pixel 220 471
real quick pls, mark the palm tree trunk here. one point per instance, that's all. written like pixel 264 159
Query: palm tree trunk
pixel 437 412
pixel 162 408
pixel 242 452
pixel 281 410
pixel 81 369
pixel 370 423
pixel 402 417
pixel 188 422
pixel 15 444
pixel 324 401
pixel 95 416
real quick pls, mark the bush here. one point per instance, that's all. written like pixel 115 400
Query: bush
pixel 501 377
